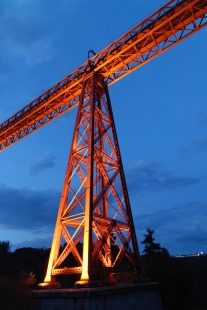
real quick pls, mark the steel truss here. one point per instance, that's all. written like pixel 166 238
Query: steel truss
pixel 169 25
pixel 94 208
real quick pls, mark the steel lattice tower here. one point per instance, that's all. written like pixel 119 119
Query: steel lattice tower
pixel 94 207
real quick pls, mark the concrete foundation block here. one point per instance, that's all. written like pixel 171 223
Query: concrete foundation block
pixel 144 296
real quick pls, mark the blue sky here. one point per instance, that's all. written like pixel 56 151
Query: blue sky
pixel 160 113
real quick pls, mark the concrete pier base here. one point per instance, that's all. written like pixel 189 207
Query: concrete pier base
pixel 143 296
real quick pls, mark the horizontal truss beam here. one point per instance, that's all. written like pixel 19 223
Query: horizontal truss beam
pixel 95 270
pixel 173 22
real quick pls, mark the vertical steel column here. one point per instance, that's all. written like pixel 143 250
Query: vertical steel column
pixel 56 242
pixel 124 185
pixel 87 243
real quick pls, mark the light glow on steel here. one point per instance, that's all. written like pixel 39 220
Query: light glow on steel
pixel 96 160
pixel 166 27
pixel 97 212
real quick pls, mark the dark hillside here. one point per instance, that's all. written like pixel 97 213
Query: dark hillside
pixel 182 280
pixel 23 261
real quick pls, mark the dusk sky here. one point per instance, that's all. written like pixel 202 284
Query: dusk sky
pixel 160 112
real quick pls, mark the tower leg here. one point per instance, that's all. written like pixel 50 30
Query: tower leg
pixel 87 244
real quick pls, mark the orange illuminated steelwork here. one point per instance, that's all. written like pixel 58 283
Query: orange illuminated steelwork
pixel 94 207
pixel 169 25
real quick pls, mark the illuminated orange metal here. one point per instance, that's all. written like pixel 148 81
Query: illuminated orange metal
pixel 94 207
pixel 169 25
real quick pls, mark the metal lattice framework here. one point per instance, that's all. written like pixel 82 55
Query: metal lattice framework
pixel 94 207
pixel 169 25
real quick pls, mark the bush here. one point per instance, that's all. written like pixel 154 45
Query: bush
pixel 15 295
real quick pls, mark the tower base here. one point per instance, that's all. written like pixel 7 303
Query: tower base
pixel 129 296
pixel 49 285
pixel 86 284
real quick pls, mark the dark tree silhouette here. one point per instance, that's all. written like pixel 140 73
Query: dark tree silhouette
pixel 150 245
pixel 4 247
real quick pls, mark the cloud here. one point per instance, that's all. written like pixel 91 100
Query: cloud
pixel 38 51
pixel 194 147
pixel 182 230
pixel 26 209
pixel 24 32
pixel 47 162
pixel 34 243
pixel 150 177
pixel 198 145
